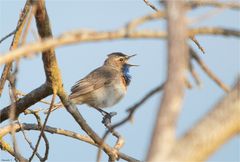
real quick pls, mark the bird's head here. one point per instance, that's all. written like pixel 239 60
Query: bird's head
pixel 119 61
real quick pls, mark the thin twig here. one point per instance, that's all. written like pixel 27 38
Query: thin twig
pixel 208 71
pixel 229 4
pixel 213 31
pixel 35 113
pixel 22 104
pixel 132 25
pixel 197 43
pixel 72 109
pixel 150 5
pixel 32 13
pixel 12 93
pixel 119 143
pixel 23 15
pixel 43 127
pixel 132 109
pixel 194 73
pixel 206 16
pixel 26 126
pixel 9 35
pixel 131 112
pixel 28 141
pixel 84 36
pixel 24 94
pixel 15 42
pixel 4 76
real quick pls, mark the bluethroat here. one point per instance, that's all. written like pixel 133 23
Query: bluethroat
pixel 104 86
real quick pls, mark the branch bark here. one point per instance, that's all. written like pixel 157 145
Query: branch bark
pixel 15 42
pixel 26 126
pixel 52 72
pixel 54 79
pixel 218 126
pixel 93 36
pixel 72 109
pixel 164 132
pixel 30 99
pixel 212 3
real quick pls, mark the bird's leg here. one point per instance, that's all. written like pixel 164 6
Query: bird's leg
pixel 106 117
pixel 102 111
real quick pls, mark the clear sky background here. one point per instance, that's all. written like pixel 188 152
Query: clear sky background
pixel 76 61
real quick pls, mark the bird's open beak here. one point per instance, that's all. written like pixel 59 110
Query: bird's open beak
pixel 132 65
pixel 129 58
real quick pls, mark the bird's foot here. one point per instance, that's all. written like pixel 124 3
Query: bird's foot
pixel 107 117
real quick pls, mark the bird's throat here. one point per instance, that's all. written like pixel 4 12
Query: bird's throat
pixel 126 75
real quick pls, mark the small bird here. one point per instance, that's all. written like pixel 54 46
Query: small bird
pixel 104 86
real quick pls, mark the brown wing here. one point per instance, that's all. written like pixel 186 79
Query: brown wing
pixel 96 79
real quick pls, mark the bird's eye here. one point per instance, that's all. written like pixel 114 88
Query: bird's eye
pixel 121 59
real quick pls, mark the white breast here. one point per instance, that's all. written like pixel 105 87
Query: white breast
pixel 109 96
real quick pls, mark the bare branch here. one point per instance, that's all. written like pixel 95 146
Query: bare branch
pixel 54 86
pixel 4 76
pixel 32 13
pixel 133 108
pixel 163 137
pixel 54 78
pixel 28 141
pixel 131 111
pixel 5 146
pixel 229 4
pixel 72 109
pixel 86 36
pixel 136 22
pixel 150 5
pixel 6 129
pixel 197 43
pixel 206 16
pixel 17 34
pixel 43 127
pixel 20 23
pixel 35 113
pixel 13 97
pixel 19 93
pixel 214 31
pixel 52 72
pixel 27 101
pixel 218 126
pixel 208 71
pixel 194 73
pixel 119 143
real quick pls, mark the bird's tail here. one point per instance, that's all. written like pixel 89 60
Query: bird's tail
pixel 55 107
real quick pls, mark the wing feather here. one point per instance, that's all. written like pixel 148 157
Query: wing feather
pixel 95 80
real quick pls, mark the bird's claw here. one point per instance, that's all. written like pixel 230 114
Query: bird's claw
pixel 107 119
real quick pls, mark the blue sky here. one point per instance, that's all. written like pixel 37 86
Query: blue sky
pixel 76 61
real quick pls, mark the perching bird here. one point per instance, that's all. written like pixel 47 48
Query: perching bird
pixel 104 86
